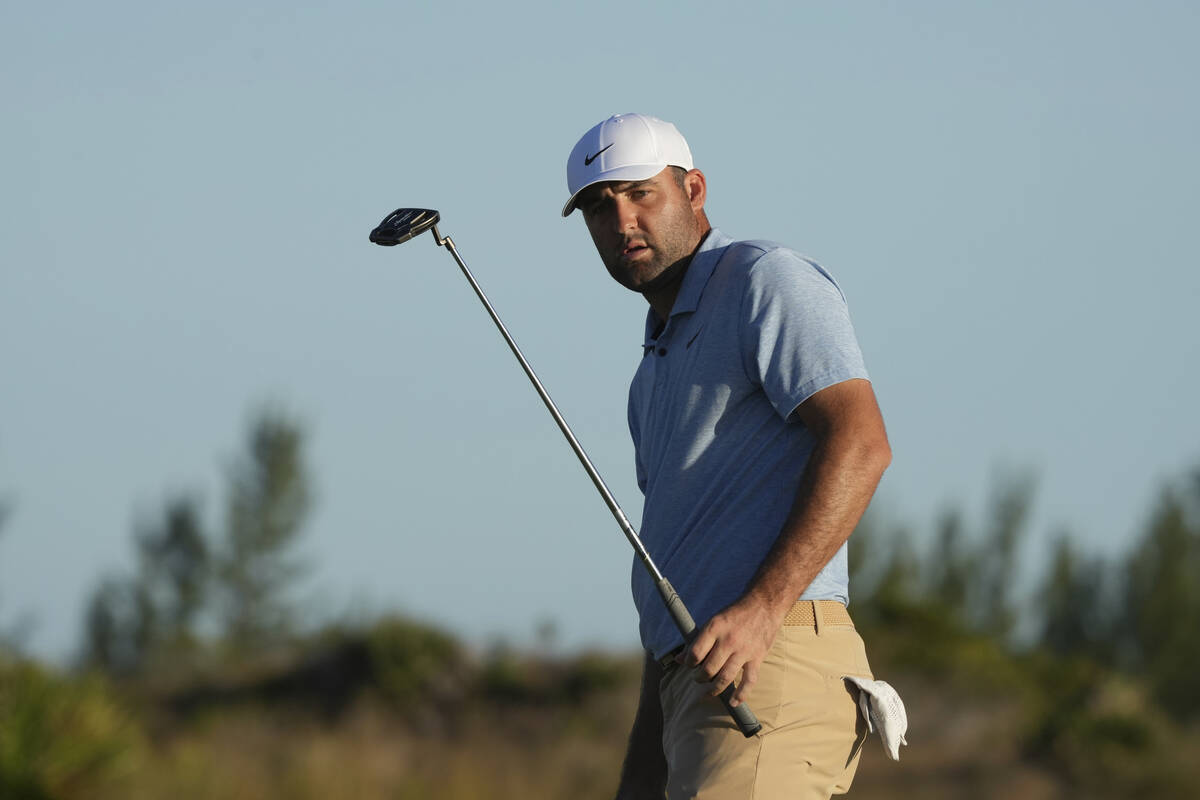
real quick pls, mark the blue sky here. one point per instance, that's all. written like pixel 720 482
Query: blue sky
pixel 1005 191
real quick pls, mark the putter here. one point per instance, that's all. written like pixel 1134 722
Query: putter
pixel 406 223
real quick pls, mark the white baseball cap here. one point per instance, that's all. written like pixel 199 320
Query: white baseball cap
pixel 625 147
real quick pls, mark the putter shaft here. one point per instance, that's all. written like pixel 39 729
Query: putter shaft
pixel 402 225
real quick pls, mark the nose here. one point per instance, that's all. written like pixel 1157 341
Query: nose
pixel 625 214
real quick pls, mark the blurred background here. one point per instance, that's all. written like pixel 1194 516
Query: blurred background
pixel 279 513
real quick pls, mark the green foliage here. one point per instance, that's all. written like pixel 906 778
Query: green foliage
pixel 1099 699
pixel 1102 732
pixel 150 617
pixel 507 677
pixel 1119 643
pixel 1162 597
pixel 60 737
pixel 411 660
pixel 7 645
pixel 962 587
pixel 918 633
pixel 1077 617
pixel 950 566
pixel 898 587
pixel 990 593
pixel 174 569
pixel 594 673
pixel 269 499
pixel 118 627
pixel 512 678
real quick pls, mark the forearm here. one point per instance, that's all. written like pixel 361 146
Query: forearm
pixel 835 489
pixel 644 774
pixel 847 461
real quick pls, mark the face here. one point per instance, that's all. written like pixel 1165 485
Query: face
pixel 645 231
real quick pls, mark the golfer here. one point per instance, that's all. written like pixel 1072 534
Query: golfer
pixel 758 445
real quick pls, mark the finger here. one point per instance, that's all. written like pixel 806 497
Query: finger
pixel 725 676
pixel 699 649
pixel 749 676
pixel 718 656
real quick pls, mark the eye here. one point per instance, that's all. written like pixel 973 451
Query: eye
pixel 638 194
pixel 595 208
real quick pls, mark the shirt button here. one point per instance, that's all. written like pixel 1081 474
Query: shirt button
pixel 662 351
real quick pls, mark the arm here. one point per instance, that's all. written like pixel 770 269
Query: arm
pixel 846 464
pixel 645 772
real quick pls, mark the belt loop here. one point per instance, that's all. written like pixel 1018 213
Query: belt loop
pixel 816 606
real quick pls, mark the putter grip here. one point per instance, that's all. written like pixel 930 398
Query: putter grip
pixel 747 723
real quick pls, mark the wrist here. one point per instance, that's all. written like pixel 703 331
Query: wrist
pixel 774 605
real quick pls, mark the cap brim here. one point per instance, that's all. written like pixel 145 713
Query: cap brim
pixel 628 172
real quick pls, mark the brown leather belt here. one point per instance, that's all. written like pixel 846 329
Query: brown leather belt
pixel 805 613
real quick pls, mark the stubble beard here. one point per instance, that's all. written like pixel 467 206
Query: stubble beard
pixel 670 259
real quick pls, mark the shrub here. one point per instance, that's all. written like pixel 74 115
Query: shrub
pixel 60 737
pixel 410 660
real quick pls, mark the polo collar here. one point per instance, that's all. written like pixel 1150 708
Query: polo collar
pixel 694 280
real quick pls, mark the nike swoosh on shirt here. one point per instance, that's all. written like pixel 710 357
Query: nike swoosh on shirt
pixel 587 160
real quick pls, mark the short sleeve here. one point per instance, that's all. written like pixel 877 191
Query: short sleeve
pixel 795 330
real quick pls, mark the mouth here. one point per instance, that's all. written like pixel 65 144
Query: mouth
pixel 634 250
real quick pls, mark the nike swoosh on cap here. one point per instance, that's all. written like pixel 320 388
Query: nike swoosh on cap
pixel 587 160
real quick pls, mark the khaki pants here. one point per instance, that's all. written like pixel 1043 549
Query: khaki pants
pixel 812 733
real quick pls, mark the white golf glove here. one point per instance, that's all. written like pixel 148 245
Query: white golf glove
pixel 884 711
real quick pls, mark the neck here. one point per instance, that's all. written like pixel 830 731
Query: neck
pixel 662 298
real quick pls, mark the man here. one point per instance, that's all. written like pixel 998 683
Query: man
pixel 758 445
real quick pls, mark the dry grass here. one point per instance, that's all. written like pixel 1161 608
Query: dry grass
pixel 373 754
pixel 521 735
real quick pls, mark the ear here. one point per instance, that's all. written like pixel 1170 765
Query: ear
pixel 696 188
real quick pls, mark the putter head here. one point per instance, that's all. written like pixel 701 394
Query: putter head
pixel 403 224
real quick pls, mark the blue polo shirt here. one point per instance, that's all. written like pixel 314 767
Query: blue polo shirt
pixel 755 330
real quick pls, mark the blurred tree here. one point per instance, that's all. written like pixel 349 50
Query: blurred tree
pixel 269 498
pixel 858 547
pixel 119 626
pixel 103 630
pixel 993 571
pixel 872 547
pixel 1162 601
pixel 131 620
pixel 546 635
pixel 898 588
pixel 950 563
pixel 174 571
pixel 1077 620
pixel 8 641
